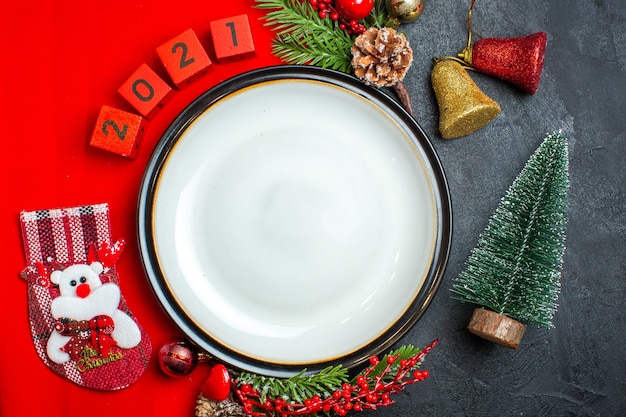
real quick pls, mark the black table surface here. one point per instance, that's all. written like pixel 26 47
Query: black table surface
pixel 577 368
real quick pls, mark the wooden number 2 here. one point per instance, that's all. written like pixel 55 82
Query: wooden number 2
pixel 121 133
pixel 183 54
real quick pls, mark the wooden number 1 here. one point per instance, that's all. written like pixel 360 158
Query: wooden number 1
pixel 233 32
pixel 232 38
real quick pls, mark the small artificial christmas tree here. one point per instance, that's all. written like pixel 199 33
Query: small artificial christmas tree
pixel 514 272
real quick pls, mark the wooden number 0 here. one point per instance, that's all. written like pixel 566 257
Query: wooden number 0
pixel 233 32
pixel 148 87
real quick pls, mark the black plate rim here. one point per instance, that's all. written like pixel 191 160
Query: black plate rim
pixel 299 72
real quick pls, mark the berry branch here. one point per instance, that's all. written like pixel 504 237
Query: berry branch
pixel 370 389
pixel 326 8
pixel 298 387
pixel 313 32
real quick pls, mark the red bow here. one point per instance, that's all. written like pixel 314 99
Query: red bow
pixel 94 332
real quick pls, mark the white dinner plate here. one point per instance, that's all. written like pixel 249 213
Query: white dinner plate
pixel 291 218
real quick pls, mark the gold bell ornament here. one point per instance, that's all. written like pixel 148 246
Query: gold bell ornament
pixel 463 107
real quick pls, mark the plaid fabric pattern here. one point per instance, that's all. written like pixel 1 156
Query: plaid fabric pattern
pixel 58 238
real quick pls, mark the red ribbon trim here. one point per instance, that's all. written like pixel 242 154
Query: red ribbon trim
pixel 95 333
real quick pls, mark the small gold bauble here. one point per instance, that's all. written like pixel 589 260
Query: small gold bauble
pixel 405 10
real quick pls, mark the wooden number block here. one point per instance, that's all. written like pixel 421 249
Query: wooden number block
pixel 232 38
pixel 184 58
pixel 118 131
pixel 146 91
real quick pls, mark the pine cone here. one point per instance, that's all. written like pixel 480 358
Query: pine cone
pixel 381 57
pixel 209 408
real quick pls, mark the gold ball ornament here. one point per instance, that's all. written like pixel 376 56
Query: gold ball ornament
pixel 405 10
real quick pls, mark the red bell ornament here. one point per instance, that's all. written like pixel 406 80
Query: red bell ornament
pixel 516 60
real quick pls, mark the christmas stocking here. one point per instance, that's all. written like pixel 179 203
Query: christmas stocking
pixel 79 321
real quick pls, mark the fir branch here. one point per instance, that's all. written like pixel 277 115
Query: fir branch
pixel 302 37
pixel 311 52
pixel 379 17
pixel 297 387
pixel 515 268
pixel 403 353
pixel 330 390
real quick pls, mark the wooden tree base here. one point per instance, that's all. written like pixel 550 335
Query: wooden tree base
pixel 497 328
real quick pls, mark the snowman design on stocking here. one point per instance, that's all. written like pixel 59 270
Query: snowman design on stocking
pixel 87 317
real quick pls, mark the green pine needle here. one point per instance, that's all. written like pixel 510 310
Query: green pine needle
pixel 379 17
pixel 301 386
pixel 403 353
pixel 302 37
pixel 515 268
pixel 298 387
